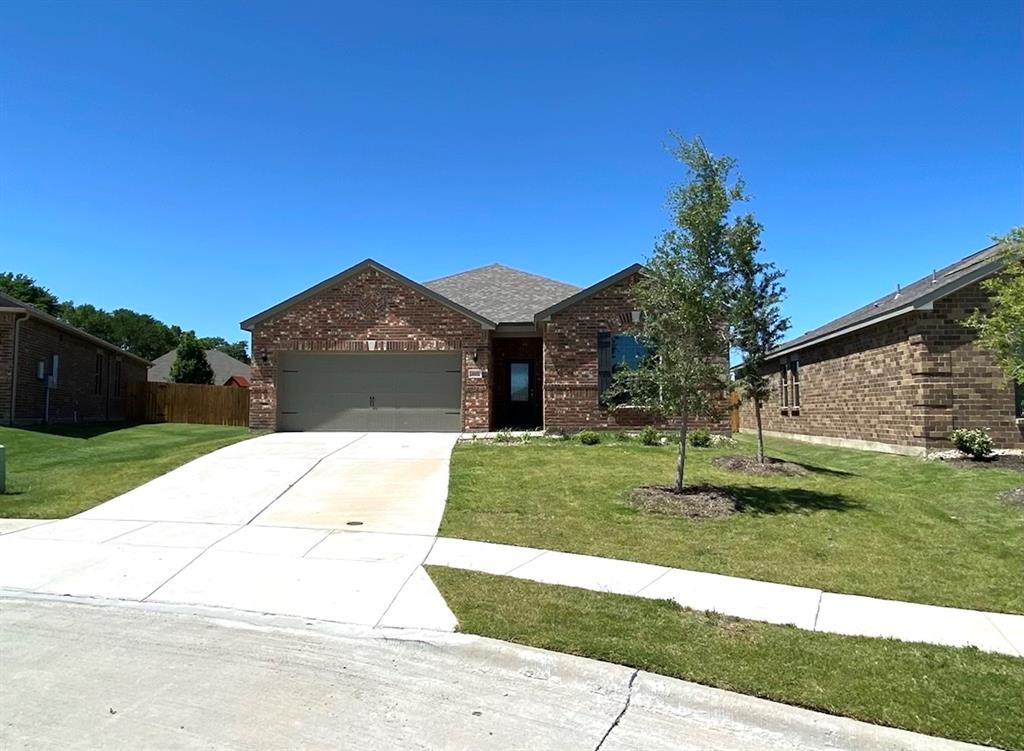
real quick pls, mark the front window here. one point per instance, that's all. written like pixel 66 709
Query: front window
pixel 614 352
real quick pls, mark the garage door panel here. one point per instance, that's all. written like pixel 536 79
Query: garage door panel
pixel 371 391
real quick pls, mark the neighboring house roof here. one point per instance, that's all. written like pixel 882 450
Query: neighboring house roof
pixel 225 367
pixel 369 263
pixel 502 294
pixel 916 296
pixel 11 303
pixel 590 291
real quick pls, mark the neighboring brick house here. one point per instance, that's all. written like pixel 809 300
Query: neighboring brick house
pixel 227 371
pixel 51 371
pixel 486 349
pixel 898 374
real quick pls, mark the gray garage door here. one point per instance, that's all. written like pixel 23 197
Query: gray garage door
pixel 370 391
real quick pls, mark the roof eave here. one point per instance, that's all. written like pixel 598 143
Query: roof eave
pixel 590 291
pixel 369 263
pixel 31 312
pixel 925 302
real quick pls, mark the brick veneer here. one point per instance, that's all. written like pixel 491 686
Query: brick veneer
pixel 370 312
pixel 906 382
pixel 6 364
pixel 570 365
pixel 75 396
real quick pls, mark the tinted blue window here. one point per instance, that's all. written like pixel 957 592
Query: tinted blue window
pixel 627 351
pixel 519 377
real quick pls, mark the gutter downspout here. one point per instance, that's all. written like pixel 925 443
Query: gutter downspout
pixel 14 366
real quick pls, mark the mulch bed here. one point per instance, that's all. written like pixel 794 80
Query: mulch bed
pixel 751 466
pixel 999 461
pixel 695 502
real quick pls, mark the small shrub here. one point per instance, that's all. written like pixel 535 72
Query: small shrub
pixel 623 437
pixel 590 437
pixel 975 442
pixel 700 438
pixel 722 440
pixel 649 436
pixel 504 436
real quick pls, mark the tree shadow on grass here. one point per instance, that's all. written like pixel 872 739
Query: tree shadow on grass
pixel 814 469
pixel 82 430
pixel 752 499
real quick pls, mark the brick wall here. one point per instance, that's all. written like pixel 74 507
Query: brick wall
pixel 968 389
pixel 906 382
pixel 370 311
pixel 571 370
pixel 75 397
pixel 6 364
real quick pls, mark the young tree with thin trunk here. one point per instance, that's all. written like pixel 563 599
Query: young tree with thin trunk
pixel 757 323
pixel 683 296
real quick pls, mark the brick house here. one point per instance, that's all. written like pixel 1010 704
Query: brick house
pixel 898 374
pixel 487 349
pixel 51 371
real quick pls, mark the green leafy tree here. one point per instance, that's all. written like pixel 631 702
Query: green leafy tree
pixel 190 364
pixel 683 297
pixel 24 288
pixel 238 350
pixel 758 324
pixel 1002 329
pixel 134 332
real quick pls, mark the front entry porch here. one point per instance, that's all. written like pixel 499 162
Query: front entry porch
pixel 517 383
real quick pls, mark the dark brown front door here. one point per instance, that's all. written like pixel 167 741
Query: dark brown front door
pixel 522 400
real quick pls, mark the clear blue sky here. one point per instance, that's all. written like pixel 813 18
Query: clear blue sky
pixel 203 161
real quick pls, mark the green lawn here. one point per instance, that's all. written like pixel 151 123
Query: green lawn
pixel 957 693
pixel 859 522
pixel 57 471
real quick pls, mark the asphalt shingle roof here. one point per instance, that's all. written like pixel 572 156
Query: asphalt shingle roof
pixel 908 295
pixel 224 366
pixel 502 294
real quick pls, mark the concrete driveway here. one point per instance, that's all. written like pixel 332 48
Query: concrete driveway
pixel 333 526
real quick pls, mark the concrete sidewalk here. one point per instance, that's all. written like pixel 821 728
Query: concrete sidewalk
pixel 332 526
pixel 803 607
pixel 145 676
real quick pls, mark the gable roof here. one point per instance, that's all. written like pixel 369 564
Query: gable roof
pixel 6 301
pixel 593 289
pixel 918 295
pixel 502 294
pixel 360 267
pixel 224 367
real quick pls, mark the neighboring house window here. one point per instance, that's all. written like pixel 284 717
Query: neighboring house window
pixel 783 387
pixel 794 384
pixel 615 351
pixel 117 377
pixel 98 375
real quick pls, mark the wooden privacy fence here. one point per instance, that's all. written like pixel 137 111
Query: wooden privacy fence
pixel 151 401
pixel 734 411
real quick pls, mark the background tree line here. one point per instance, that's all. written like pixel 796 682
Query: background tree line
pixel 138 333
